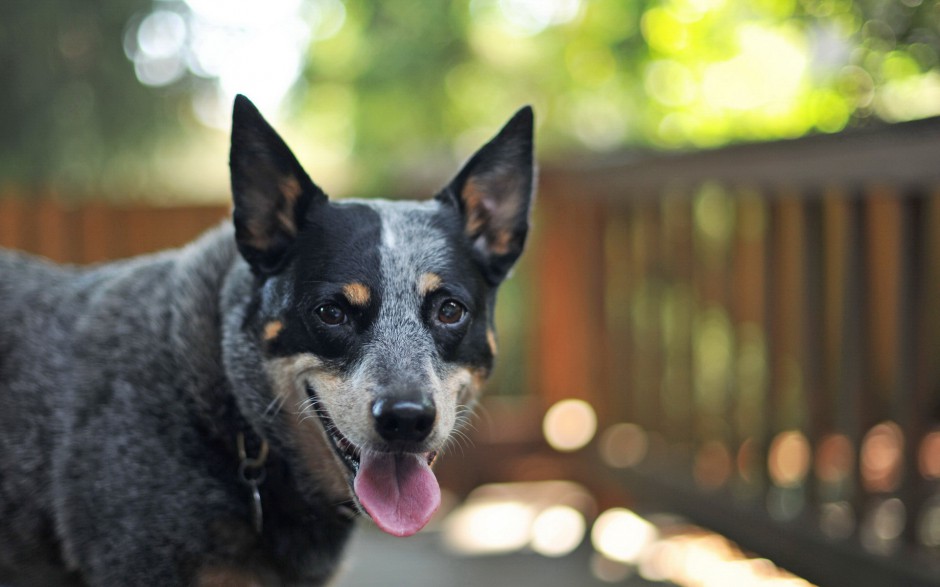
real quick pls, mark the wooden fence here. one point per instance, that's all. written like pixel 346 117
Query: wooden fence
pixel 89 232
pixel 758 329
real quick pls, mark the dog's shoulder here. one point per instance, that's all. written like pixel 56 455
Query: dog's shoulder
pixel 40 300
pixel 100 372
pixel 23 273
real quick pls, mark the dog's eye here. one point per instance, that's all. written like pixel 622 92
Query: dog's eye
pixel 451 312
pixel 331 314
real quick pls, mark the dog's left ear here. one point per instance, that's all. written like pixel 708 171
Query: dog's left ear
pixel 493 192
pixel 270 190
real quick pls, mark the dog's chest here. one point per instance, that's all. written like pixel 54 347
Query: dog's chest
pixel 300 543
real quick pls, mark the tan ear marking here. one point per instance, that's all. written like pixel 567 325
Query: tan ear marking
pixel 290 189
pixel 493 219
pixel 474 197
pixel 357 294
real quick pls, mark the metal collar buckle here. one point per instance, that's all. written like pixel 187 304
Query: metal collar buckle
pixel 251 472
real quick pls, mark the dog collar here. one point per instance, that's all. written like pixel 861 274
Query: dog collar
pixel 251 472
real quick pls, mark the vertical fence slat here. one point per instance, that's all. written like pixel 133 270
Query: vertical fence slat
pixel 14 222
pixel 818 419
pixel 570 301
pixel 882 244
pixel 853 330
pixel 53 226
pixel 676 243
pixel 96 233
pixel 749 307
pixel 618 292
pixel 911 312
pixel 771 329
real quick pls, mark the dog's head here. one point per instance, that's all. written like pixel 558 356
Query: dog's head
pixel 374 318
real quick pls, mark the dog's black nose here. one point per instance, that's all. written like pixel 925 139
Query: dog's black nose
pixel 404 420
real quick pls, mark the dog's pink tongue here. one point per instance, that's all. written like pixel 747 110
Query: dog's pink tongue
pixel 399 491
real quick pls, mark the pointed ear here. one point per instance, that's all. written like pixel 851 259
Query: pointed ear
pixel 493 192
pixel 270 190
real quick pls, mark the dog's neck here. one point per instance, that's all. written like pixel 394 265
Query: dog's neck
pixel 271 478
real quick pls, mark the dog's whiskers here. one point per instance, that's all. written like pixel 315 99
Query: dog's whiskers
pixel 275 407
pixel 464 418
pixel 457 438
pixel 309 408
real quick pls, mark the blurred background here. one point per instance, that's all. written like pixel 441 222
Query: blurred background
pixel 718 359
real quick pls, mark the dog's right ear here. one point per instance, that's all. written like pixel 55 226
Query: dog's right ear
pixel 270 190
pixel 493 193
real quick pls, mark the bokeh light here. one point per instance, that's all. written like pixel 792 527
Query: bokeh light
pixel 882 457
pixel 713 465
pixel 489 527
pixel 237 46
pixel 837 520
pixel 160 39
pixel 788 460
pixel 834 458
pixel 883 525
pixel 667 549
pixel 569 425
pixel 928 457
pixel 767 72
pixel 621 535
pixel 530 17
pixel 928 525
pixel 547 517
pixel 623 445
pixel 557 531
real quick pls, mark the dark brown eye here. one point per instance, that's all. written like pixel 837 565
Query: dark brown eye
pixel 451 312
pixel 331 314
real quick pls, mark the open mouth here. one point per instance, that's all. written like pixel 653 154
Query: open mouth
pixel 398 490
pixel 347 452
pixel 344 448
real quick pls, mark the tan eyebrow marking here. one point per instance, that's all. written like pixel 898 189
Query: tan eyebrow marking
pixel 357 294
pixel 429 282
pixel 272 329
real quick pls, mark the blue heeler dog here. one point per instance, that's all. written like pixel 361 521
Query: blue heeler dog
pixel 219 414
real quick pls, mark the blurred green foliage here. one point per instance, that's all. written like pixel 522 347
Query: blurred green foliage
pixel 395 91
pixel 71 107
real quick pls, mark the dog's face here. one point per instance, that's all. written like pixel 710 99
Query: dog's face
pixel 374 318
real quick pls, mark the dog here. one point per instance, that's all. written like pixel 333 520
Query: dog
pixel 221 413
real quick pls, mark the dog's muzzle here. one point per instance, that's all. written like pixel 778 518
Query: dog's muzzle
pixel 397 487
pixel 393 481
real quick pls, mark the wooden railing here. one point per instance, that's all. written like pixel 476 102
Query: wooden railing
pixel 91 231
pixel 758 329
